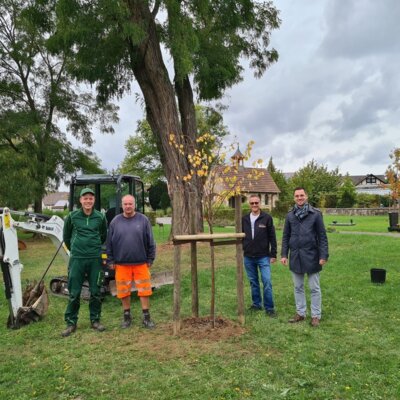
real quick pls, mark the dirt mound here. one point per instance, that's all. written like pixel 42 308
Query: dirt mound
pixel 201 328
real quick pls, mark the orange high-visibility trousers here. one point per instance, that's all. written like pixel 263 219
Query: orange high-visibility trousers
pixel 126 274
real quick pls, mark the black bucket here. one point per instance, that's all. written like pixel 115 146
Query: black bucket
pixel 393 219
pixel 378 275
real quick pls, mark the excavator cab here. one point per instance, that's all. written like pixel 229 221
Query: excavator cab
pixel 109 190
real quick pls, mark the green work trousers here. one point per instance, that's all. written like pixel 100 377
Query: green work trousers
pixel 80 269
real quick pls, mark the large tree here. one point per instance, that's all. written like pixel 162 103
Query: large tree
pixel 35 93
pixel 206 40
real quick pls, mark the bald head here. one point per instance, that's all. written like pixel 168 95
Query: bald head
pixel 128 205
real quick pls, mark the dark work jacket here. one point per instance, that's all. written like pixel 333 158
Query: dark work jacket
pixel 306 241
pixel 264 242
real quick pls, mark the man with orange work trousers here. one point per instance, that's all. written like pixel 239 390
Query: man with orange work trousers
pixel 131 251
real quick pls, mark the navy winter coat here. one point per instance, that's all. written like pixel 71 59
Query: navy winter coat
pixel 306 241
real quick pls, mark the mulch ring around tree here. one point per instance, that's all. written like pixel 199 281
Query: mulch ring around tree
pixel 199 328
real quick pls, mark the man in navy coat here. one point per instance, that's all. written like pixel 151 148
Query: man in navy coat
pixel 304 240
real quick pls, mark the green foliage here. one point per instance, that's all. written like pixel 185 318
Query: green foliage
pixel 329 200
pixel 365 200
pixel 210 120
pixel 35 92
pixel 271 167
pixel 158 196
pixel 61 214
pixel 347 193
pixel 204 39
pixel 142 158
pixel 316 179
pixel 16 191
pixel 151 215
pixel 281 209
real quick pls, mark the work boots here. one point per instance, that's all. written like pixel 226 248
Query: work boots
pixel 68 330
pixel 127 321
pixel 148 323
pixel 97 326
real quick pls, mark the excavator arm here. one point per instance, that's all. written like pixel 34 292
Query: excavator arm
pixel 11 265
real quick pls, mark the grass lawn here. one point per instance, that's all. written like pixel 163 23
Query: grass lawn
pixel 354 354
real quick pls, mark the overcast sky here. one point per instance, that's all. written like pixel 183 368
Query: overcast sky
pixel 333 96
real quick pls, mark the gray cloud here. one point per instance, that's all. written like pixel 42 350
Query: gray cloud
pixel 361 28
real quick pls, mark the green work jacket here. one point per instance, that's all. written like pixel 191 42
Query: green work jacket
pixel 84 234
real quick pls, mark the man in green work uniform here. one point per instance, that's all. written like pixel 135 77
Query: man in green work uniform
pixel 84 232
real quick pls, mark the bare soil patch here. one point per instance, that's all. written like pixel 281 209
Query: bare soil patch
pixel 201 328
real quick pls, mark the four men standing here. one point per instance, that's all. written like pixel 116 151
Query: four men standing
pixel 131 251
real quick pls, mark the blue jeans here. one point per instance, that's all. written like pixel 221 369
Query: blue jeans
pixel 252 265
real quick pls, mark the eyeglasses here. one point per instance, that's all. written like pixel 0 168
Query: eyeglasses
pixel 254 203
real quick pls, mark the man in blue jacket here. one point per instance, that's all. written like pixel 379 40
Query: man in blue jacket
pixel 259 246
pixel 304 236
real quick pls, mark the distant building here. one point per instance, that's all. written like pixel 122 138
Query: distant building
pixel 56 201
pixel 252 181
pixel 371 184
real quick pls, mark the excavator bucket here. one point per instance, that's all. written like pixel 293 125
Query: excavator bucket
pixel 35 306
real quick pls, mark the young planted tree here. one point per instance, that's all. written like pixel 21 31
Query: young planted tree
pixel 393 176
pixel 206 41
pixel 35 93
pixel 220 181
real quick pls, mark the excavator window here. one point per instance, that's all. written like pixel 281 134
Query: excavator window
pixel 109 190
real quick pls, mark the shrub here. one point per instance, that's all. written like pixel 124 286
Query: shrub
pixel 151 215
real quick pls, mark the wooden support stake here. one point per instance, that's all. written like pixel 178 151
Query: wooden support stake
pixel 177 289
pixel 239 261
pixel 193 257
pixel 177 208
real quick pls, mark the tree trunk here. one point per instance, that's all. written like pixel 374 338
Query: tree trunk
pixel 162 114
pixel 187 112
